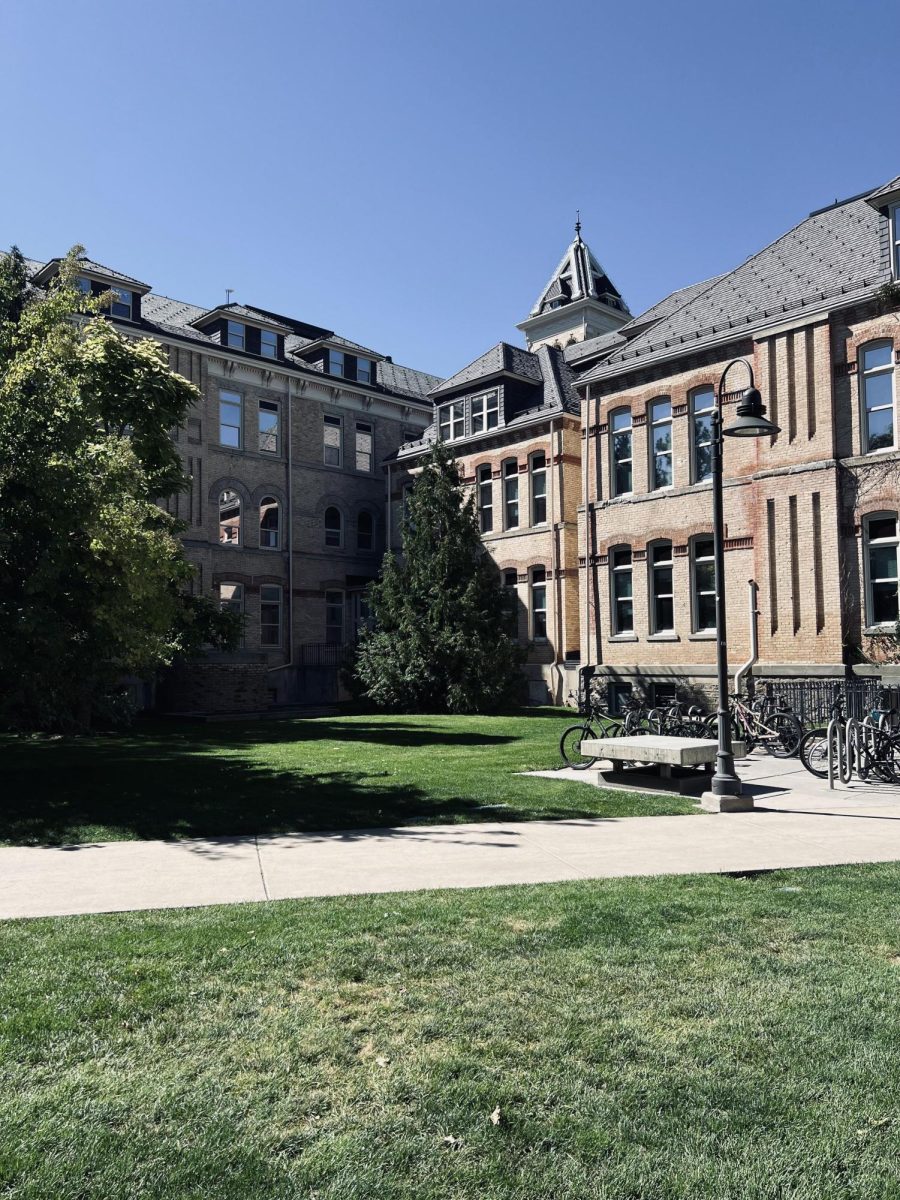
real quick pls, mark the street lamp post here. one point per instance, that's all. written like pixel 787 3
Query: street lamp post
pixel 726 792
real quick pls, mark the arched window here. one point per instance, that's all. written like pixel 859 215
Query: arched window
pixel 538 470
pixel 621 587
pixel 660 442
pixel 229 518
pixel 703 584
pixel 510 494
pixel 876 373
pixel 268 523
pixel 485 499
pixel 882 604
pixel 662 597
pixel 703 403
pixel 538 604
pixel 334 527
pixel 365 531
pixel 621 451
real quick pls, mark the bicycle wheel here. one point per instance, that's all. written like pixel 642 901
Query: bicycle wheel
pixel 813 752
pixel 788 734
pixel 570 746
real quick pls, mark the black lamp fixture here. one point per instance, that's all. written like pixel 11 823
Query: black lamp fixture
pixel 725 793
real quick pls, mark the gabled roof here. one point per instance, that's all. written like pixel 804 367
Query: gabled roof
pixel 883 195
pixel 836 254
pixel 502 359
pixel 46 272
pixel 579 276
pixel 244 313
pixel 665 307
pixel 580 353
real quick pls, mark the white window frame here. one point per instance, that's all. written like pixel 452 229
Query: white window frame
pixel 235 335
pixel 538 606
pixel 365 374
pixel 339 544
pixel 655 422
pixel 656 594
pixel 484 484
pixel 336 359
pixel 239 504
pixel 617 460
pixel 272 407
pixel 864 376
pixel 364 429
pixel 485 411
pixel 868 543
pixel 452 421
pixel 267 533
pixel 697 592
pixel 330 421
pixel 697 415
pixel 268 349
pixel 231 400
pixel 332 603
pixel 895 241
pixel 271 595
pixel 510 475
pixel 117 302
pixel 538 474
pixel 618 570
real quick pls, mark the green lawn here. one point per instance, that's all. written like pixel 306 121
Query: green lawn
pixel 184 780
pixel 660 1039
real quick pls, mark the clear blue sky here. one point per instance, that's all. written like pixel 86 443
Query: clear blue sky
pixel 407 172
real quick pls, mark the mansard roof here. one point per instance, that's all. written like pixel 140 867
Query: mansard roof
pixel 835 255
pixel 579 276
pixel 502 359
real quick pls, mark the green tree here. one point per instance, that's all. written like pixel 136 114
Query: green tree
pixel 440 638
pixel 93 579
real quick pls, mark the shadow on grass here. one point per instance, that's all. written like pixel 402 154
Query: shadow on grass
pixel 178 784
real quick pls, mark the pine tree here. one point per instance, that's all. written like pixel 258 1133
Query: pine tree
pixel 440 639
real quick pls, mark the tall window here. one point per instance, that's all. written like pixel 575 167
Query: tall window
pixel 333 441
pixel 365 531
pixel 511 588
pixel 365 370
pixel 485 412
pixel 510 494
pixel 270 614
pixel 268 343
pixel 703 573
pixel 453 421
pixel 229 518
pixel 335 362
pixel 895 240
pixel 334 528
pixel 622 593
pixel 236 336
pixel 230 419
pixel 485 499
pixel 881 552
pixel 538 488
pixel 878 396
pixel 661 443
pixel 538 604
pixel 662 601
pixel 334 617
pixel 268 523
pixel 703 404
pixel 268 426
pixel 620 433
pixel 363 446
pixel 231 597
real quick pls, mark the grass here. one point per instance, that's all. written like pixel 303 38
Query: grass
pixel 716 1037
pixel 194 780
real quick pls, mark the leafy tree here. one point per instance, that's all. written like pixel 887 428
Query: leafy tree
pixel 440 639
pixel 93 579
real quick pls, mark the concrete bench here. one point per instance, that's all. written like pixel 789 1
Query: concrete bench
pixel 662 763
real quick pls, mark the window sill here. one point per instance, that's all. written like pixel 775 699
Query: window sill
pixel 706 636
pixel 623 637
pixel 663 637
pixel 885 629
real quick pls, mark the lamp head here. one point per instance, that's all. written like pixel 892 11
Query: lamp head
pixel 751 420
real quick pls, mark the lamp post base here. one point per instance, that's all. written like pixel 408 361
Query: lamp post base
pixel 713 802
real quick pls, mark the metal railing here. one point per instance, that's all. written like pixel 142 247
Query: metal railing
pixel 811 699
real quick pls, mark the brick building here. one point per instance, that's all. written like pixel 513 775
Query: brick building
pixel 286 516
pixel 811 514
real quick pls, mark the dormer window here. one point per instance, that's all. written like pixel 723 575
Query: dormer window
pixel 895 240
pixel 122 303
pixel 83 284
pixel 335 362
pixel 453 421
pixel 236 335
pixel 268 343
pixel 485 412
pixel 365 370
pixel 350 366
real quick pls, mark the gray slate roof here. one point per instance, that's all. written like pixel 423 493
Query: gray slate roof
pixel 580 268
pixel 499 359
pixel 593 347
pixel 886 189
pixel 95 268
pixel 665 307
pixel 834 254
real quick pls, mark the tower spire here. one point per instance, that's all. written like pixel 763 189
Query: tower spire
pixel 578 223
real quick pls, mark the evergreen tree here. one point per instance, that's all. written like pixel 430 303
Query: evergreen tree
pixel 93 579
pixel 440 638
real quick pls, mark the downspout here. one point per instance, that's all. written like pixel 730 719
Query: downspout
pixel 597 465
pixel 753 590
pixel 387 520
pixel 587 528
pixel 289 533
pixel 554 566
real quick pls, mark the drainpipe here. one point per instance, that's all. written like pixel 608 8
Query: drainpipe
pixel 387 518
pixel 753 591
pixel 554 564
pixel 585 471
pixel 289 533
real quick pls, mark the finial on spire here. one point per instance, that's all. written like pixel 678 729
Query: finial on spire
pixel 229 292
pixel 578 222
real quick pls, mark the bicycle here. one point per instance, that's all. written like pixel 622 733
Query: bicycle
pixel 677 720
pixel 599 723
pixel 867 747
pixel 761 724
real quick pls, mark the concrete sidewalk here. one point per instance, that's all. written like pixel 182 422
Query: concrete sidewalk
pixel 791 828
